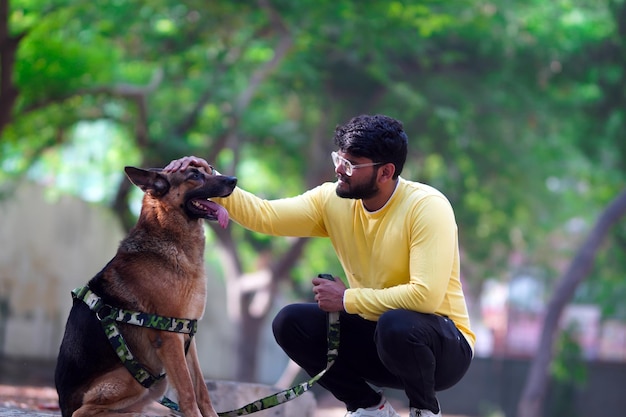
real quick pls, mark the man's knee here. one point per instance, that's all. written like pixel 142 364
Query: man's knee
pixel 298 321
pixel 283 323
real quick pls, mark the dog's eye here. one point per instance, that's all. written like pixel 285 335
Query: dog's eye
pixel 212 170
pixel 194 175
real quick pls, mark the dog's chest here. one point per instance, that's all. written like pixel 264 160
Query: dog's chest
pixel 166 277
pixel 175 295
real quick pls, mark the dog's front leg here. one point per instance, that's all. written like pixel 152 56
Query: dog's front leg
pixel 202 393
pixel 172 355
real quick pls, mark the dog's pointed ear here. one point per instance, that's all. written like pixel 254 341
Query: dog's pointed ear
pixel 150 181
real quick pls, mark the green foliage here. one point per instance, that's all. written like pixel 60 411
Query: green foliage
pixel 569 372
pixel 60 56
pixel 569 365
pixel 515 110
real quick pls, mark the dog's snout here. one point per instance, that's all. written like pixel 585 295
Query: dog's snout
pixel 231 181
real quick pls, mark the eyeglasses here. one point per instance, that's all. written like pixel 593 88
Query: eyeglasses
pixel 348 166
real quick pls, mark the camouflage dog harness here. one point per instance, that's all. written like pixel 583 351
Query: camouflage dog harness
pixel 109 316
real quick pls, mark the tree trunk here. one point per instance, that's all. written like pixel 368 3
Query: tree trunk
pixel 254 313
pixel 531 403
pixel 8 49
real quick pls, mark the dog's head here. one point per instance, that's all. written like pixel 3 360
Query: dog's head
pixel 190 189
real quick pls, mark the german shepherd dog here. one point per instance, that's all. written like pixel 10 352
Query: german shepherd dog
pixel 158 275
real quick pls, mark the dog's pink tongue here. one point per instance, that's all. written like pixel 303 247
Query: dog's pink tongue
pixel 222 216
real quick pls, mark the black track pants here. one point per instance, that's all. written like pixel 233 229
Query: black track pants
pixel 418 353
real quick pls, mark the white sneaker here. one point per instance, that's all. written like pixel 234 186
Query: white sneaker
pixel 423 413
pixel 384 409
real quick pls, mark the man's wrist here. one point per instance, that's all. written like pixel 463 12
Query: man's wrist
pixel 348 301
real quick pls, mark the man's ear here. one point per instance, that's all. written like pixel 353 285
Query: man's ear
pixel 150 181
pixel 386 172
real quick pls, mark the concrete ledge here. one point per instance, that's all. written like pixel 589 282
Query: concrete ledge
pixel 226 396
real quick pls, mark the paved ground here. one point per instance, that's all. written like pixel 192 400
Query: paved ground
pixel 18 401
pixel 42 401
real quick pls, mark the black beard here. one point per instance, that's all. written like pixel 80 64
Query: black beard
pixel 360 192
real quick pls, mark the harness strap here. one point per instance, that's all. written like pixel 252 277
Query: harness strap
pixel 288 394
pixel 105 312
pixel 109 315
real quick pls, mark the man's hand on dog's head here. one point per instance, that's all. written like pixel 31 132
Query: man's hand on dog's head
pixel 185 162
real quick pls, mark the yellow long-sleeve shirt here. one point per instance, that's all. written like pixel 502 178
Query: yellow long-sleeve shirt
pixel 404 255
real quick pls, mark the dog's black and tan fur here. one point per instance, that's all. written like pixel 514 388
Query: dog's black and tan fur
pixel 158 269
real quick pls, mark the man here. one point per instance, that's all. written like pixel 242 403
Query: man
pixel 404 320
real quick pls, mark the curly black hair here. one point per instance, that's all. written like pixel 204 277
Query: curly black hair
pixel 378 137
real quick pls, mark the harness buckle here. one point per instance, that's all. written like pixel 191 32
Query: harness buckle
pixel 104 313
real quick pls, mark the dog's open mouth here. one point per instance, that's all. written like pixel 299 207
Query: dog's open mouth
pixel 209 210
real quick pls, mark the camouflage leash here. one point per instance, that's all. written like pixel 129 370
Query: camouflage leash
pixel 289 393
pixel 109 315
